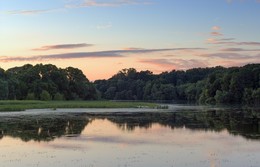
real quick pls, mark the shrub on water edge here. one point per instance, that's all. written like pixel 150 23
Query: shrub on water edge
pixel 210 100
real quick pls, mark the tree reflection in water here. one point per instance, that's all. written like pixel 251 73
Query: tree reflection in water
pixel 46 127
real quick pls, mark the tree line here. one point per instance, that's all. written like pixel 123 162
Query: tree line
pixel 45 82
pixel 234 85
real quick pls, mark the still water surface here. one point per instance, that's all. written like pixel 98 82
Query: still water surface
pixel 85 138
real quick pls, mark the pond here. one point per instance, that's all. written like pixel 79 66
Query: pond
pixel 179 137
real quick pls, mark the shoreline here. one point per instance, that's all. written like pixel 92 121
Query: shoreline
pixel 22 105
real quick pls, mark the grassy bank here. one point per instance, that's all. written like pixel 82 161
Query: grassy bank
pixel 21 105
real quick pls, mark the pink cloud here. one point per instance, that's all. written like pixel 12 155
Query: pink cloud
pixel 132 48
pixel 165 63
pixel 216 28
pixel 231 56
pixel 228 63
pixel 97 54
pixel 212 40
pixel 214 33
pixel 180 64
pixel 217 41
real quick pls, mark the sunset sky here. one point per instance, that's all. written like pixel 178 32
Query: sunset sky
pixel 101 37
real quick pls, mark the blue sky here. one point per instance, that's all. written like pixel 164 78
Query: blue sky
pixel 102 37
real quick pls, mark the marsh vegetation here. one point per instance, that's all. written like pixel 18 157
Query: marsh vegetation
pixel 21 105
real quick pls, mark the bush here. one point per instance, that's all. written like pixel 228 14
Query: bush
pixel 3 90
pixel 30 96
pixel 45 96
pixel 210 100
pixel 256 96
pixel 58 97
pixel 247 96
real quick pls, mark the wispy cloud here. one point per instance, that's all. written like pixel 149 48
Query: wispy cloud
pixel 166 63
pixel 231 56
pixel 82 4
pixel 28 12
pixel 113 3
pixel 242 43
pixel 239 50
pixel 132 48
pixel 214 33
pixel 231 63
pixel 230 41
pixel 214 40
pixel 104 26
pixel 226 39
pixel 62 46
pixel 59 56
pixel 216 28
pixel 230 1
pixel 236 43
pixel 211 40
pixel 98 54
pixel 223 59
pixel 170 64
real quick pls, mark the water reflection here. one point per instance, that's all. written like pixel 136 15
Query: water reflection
pixel 47 127
pixel 42 127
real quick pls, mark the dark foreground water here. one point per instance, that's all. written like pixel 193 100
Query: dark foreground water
pixel 182 137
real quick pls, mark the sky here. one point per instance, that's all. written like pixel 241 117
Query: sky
pixel 102 37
